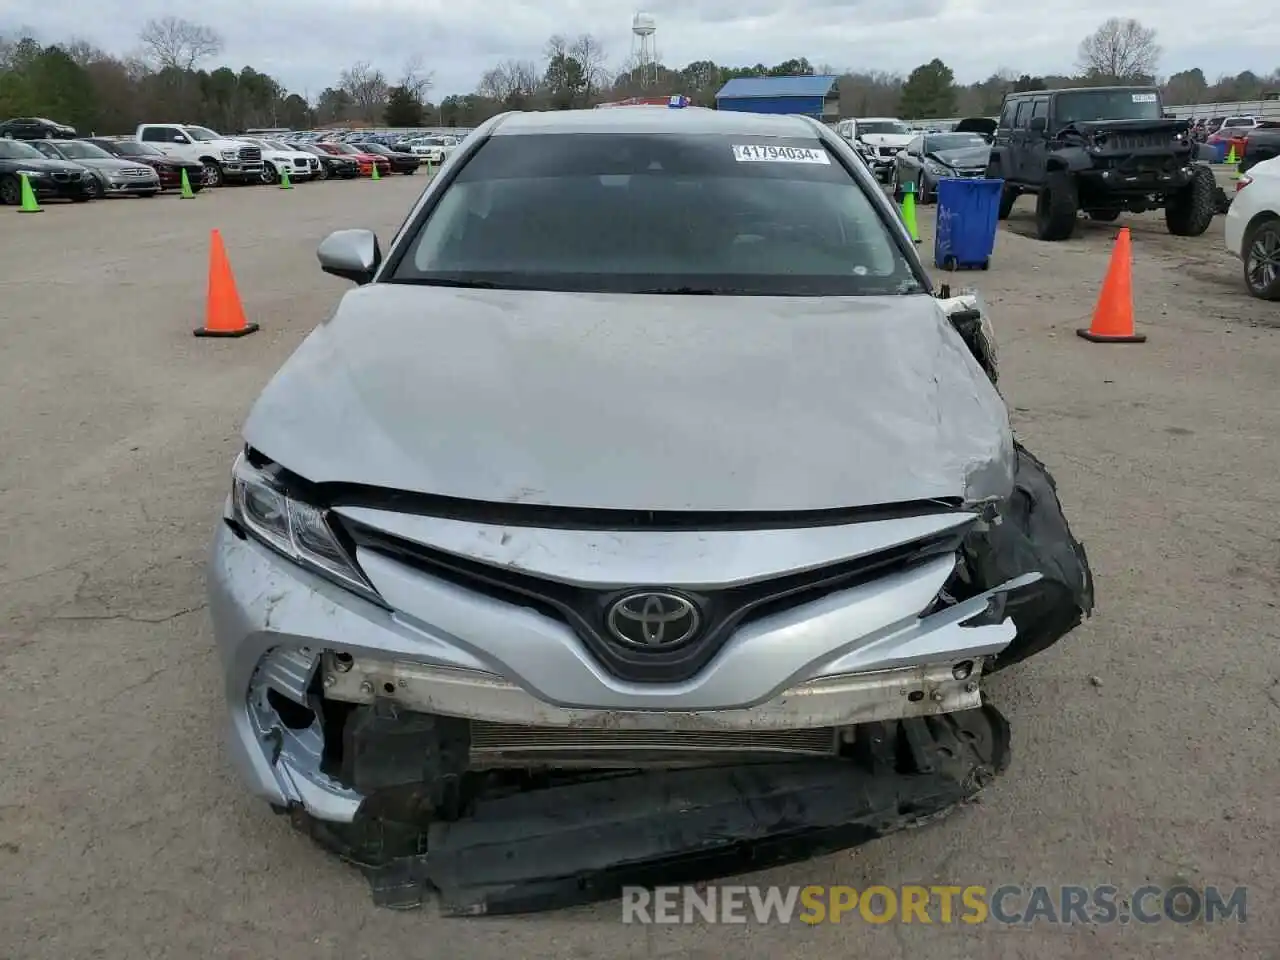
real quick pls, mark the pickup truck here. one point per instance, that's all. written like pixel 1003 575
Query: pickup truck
pixel 224 158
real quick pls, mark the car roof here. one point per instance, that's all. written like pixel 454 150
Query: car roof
pixel 1048 93
pixel 658 120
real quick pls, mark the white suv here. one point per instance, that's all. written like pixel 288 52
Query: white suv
pixel 278 157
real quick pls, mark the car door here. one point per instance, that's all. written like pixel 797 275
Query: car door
pixel 1036 152
pixel 170 141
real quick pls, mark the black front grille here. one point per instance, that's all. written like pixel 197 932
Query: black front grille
pixel 1136 141
pixel 300 163
pixel 586 610
pixel 250 154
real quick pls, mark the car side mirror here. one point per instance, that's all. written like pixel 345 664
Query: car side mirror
pixel 1038 125
pixel 350 254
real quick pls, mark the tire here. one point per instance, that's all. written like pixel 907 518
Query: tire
pixel 922 195
pixel 895 187
pixel 270 175
pixel 94 189
pixel 323 174
pixel 81 199
pixel 213 176
pixel 410 173
pixel 10 191
pixel 1189 212
pixel 1056 207
pixel 1103 216
pixel 1008 197
pixel 1261 256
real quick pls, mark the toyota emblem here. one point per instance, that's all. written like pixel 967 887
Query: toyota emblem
pixel 653 620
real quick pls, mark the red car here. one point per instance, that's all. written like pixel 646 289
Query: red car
pixel 365 161
pixel 168 168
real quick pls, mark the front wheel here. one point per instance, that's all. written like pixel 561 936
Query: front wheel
pixel 10 191
pixel 894 186
pixel 1056 207
pixel 922 197
pixel 270 175
pixel 94 189
pixel 213 174
pixel 1189 212
pixel 322 173
pixel 1261 256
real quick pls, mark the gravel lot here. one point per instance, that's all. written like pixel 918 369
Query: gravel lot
pixel 1144 745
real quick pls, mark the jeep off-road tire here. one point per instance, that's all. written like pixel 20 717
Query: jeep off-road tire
pixel 1056 207
pixel 1189 212
pixel 1008 197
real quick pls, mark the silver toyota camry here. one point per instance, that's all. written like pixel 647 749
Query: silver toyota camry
pixel 644 504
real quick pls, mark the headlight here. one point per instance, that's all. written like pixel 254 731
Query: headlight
pixel 293 528
pixel 31 174
pixel 937 169
pixel 230 154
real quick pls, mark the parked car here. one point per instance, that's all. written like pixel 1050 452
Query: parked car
pixel 1261 143
pixel 49 179
pixel 1252 229
pixel 938 156
pixel 168 169
pixel 366 161
pixel 278 156
pixel 433 150
pixel 776 627
pixel 112 176
pixel 36 128
pixel 406 163
pixel 225 159
pixel 880 138
pixel 334 165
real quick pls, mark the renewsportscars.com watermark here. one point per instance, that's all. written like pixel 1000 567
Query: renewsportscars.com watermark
pixel 911 903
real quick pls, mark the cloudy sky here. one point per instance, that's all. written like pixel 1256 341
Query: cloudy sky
pixel 305 43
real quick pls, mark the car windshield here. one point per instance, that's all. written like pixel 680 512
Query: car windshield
pixel 1089 105
pixel 344 148
pixel 883 126
pixel 696 214
pixel 76 150
pixel 202 133
pixel 275 145
pixel 16 150
pixel 374 148
pixel 132 148
pixel 952 141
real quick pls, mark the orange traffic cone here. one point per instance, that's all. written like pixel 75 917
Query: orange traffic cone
pixel 224 314
pixel 1113 316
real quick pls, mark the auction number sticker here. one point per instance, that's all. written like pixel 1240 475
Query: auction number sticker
pixel 1144 98
pixel 757 153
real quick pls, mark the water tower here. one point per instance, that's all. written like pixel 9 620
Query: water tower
pixel 643 51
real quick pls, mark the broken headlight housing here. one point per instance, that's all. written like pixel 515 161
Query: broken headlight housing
pixel 263 508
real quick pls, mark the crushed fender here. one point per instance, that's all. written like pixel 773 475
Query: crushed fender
pixel 582 841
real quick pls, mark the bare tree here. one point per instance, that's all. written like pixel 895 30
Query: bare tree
pixel 557 46
pixel 415 80
pixel 590 55
pixel 366 87
pixel 179 44
pixel 1120 49
pixel 511 82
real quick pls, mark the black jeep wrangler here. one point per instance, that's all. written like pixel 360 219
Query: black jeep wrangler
pixel 1101 150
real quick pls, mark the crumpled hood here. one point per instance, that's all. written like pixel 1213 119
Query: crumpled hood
pixel 638 402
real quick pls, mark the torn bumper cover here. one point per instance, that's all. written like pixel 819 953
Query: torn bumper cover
pixel 455 742
pixel 579 842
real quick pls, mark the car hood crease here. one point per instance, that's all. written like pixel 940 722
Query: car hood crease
pixel 664 403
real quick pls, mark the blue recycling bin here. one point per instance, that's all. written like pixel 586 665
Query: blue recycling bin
pixel 968 213
pixel 1219 151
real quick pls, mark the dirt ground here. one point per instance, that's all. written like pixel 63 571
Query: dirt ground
pixel 1144 745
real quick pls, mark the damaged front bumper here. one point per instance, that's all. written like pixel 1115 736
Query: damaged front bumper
pixel 420 725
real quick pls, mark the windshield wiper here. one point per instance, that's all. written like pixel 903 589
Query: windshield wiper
pixel 688 291
pixel 468 284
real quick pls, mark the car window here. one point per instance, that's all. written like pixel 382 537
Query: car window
pixel 646 213
pixel 884 126
pixel 202 133
pixel 159 134
pixel 77 150
pixel 1040 107
pixel 1023 115
pixel 1090 105
pixel 47 149
pixel 1007 114
pixel 17 150
pixel 915 146
pixel 953 141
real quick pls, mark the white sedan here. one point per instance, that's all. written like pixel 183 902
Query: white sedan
pixel 1252 229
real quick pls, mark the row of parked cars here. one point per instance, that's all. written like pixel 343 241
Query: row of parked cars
pixel 59 164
